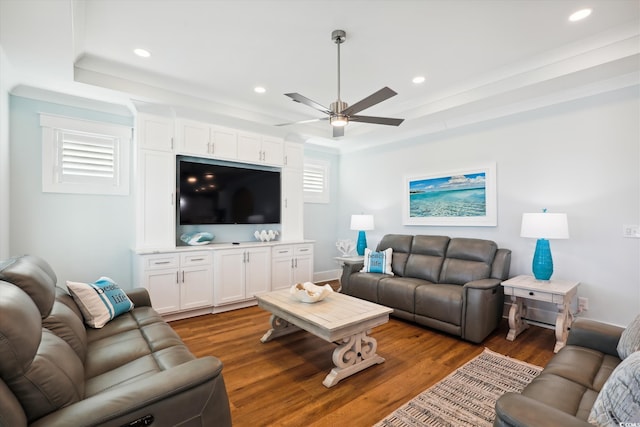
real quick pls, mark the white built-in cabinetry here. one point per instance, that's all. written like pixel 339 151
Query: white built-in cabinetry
pixel 177 281
pixel 239 274
pixel 155 183
pixel 291 264
pixel 189 281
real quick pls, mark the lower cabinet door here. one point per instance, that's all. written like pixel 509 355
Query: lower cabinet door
pixel 195 287
pixel 164 289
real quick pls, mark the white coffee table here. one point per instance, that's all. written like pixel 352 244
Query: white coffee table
pixel 338 318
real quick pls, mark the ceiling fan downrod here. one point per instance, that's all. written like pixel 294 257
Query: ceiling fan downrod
pixel 339 37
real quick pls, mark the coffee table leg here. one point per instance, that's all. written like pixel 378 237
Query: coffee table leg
pixel 354 354
pixel 279 327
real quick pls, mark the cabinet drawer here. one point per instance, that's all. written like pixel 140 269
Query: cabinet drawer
pixel 535 295
pixel 282 252
pixel 304 250
pixel 159 262
pixel 195 258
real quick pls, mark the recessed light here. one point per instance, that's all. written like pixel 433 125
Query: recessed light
pixel 418 79
pixel 579 15
pixel 143 53
pixel 259 89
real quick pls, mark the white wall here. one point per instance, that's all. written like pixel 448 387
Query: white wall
pixel 82 236
pixel 4 156
pixel 582 158
pixel 321 220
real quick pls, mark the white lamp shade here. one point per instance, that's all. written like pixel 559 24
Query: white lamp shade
pixel 545 225
pixel 362 222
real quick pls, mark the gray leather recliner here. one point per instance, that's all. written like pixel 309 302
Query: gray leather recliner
pixel 449 284
pixel 135 370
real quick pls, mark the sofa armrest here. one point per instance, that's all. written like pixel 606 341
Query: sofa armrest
pixel 516 410
pixel 139 297
pixel 348 268
pixel 184 392
pixel 595 335
pixel 483 284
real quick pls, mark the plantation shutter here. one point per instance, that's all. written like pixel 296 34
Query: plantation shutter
pixel 86 157
pixel 315 181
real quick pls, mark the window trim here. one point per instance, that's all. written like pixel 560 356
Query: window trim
pixel 56 131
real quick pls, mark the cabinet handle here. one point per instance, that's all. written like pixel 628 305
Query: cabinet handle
pixel 304 250
pixel 161 262
pixel 286 160
pixel 213 148
pixel 282 252
pixel 177 277
pixel 291 262
pixel 285 203
pixel 172 143
pixel 247 256
pixel 197 259
pixel 296 262
pixel 531 294
pixel 182 276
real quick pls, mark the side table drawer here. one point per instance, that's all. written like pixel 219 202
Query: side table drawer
pixel 531 294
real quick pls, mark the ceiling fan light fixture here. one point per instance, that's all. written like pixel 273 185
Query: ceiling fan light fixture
pixel 339 120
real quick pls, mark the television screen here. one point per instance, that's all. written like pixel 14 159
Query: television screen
pixel 215 192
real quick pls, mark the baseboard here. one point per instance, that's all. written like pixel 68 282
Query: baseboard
pixel 326 276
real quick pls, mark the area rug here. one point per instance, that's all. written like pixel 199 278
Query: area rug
pixel 467 396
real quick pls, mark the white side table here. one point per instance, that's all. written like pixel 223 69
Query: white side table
pixel 351 259
pixel 559 292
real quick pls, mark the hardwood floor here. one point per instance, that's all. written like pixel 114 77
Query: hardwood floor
pixel 279 383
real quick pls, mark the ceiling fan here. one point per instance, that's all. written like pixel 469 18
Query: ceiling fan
pixel 340 114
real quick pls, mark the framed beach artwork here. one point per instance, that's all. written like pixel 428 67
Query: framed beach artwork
pixel 464 197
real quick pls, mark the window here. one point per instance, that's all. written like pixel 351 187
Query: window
pixel 80 156
pixel 315 181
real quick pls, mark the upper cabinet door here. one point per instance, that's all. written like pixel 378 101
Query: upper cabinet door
pixel 272 151
pixel 224 142
pixel 249 147
pixel 154 132
pixel 193 138
pixel 293 155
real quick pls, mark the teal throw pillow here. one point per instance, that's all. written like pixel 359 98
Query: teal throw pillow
pixel 100 301
pixel 377 262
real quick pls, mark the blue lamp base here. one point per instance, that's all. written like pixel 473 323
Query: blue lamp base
pixel 542 261
pixel 362 242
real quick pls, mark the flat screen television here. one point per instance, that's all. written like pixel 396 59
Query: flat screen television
pixel 217 192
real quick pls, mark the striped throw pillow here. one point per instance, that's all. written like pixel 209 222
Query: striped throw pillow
pixel 377 262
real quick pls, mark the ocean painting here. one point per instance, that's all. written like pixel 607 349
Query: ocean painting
pixel 450 196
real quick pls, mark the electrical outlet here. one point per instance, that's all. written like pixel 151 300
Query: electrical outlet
pixel 583 304
pixel 630 231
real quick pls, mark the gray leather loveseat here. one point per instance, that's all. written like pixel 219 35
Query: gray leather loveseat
pixel 588 372
pixel 449 284
pixel 134 371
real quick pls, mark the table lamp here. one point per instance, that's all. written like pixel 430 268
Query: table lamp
pixel 361 223
pixel 544 226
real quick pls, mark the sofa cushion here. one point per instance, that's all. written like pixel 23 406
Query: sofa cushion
pixel 401 245
pixel 377 262
pixel 619 400
pixel 440 302
pixel 630 339
pixel 67 323
pixel 34 276
pixel 100 301
pixel 41 369
pixel 365 286
pixel 427 255
pixel 398 292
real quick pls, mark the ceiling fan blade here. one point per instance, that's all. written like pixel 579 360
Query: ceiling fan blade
pixel 338 131
pixel 306 101
pixel 373 99
pixel 376 120
pixel 302 121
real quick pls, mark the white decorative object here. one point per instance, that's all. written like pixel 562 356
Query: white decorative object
pixel 266 235
pixel 197 239
pixel 309 292
pixel 345 246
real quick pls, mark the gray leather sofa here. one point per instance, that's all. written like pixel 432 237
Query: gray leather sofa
pixel 134 371
pixel 564 393
pixel 449 284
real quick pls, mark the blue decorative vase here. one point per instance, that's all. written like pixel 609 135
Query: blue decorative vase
pixel 542 261
pixel 362 242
